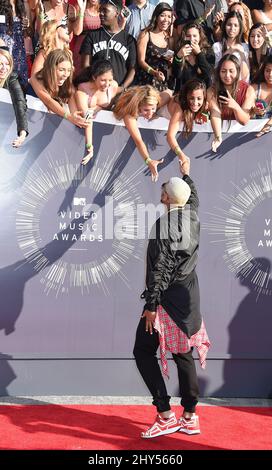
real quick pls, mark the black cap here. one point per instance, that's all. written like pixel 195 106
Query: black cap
pixel 116 3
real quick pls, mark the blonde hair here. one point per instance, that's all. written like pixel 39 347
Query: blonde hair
pixel 48 36
pixel 10 61
pixel 96 7
pixel 131 100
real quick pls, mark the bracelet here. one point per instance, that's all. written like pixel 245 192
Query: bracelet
pixel 178 59
pixel 149 70
pixel 80 15
pixel 41 16
pixel 89 146
pixel 148 160
pixel 65 116
pixel 177 150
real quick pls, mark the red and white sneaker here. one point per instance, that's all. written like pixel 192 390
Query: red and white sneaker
pixel 189 426
pixel 162 426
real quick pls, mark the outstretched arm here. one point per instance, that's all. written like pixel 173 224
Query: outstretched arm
pixel 20 109
pixel 193 199
pixel 54 106
pixel 132 127
pixel 216 121
pixel 173 129
pixel 266 128
pixel 81 99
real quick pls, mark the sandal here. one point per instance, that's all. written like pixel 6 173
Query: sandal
pixel 267 128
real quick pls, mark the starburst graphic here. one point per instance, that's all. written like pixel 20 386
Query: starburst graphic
pixel 59 274
pixel 229 224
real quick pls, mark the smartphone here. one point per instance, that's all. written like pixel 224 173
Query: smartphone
pixel 223 93
pixel 169 54
pixel 187 42
pixel 89 115
pixel 126 12
pixel 2 19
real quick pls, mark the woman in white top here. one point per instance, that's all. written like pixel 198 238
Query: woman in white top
pixel 231 43
pixel 95 90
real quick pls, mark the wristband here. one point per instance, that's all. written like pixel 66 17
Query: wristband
pixel 149 70
pixel 148 160
pixel 65 116
pixel 177 59
pixel 41 16
pixel 80 15
pixel 177 150
pixel 89 146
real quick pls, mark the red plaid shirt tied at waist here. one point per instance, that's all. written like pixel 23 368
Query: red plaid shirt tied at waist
pixel 173 339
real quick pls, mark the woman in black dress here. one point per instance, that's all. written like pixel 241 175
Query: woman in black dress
pixel 154 48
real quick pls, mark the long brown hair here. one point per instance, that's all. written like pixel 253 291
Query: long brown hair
pixel 239 38
pixel 48 75
pixel 160 8
pixel 218 84
pixel 182 99
pixel 131 100
pixel 253 61
pixel 203 41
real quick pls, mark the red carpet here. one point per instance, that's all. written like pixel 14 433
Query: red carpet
pixel 101 427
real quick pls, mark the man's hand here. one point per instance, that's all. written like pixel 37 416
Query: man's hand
pixel 184 166
pixel 149 320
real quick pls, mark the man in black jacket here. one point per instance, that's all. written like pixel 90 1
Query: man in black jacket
pixel 171 316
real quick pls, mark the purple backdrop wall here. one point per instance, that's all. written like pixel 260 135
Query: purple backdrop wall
pixel 70 301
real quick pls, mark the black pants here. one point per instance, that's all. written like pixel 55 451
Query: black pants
pixel 145 349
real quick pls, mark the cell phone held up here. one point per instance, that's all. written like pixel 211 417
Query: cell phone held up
pixel 125 12
pixel 169 54
pixel 89 115
pixel 187 42
pixel 222 93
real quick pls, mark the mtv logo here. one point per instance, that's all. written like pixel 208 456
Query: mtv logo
pixel 79 201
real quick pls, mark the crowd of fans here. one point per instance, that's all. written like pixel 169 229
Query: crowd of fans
pixel 188 61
